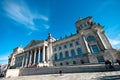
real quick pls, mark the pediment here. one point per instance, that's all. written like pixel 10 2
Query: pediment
pixel 33 43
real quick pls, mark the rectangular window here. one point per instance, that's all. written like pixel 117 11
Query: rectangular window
pixel 60 48
pixel 65 46
pixel 100 59
pixel 54 49
pixel 95 49
pixel 71 45
pixel 77 43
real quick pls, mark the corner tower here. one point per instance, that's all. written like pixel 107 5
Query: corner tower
pixel 95 41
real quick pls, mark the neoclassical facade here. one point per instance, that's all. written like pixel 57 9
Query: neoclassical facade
pixel 88 46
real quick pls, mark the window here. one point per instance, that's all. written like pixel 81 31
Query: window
pixel 100 59
pixel 74 62
pixel 65 46
pixel 60 48
pixel 54 49
pixel 79 51
pixel 71 45
pixel 77 43
pixel 66 54
pixel 88 23
pixel 82 62
pixel 85 24
pixel 61 56
pixel 55 57
pixel 81 26
pixel 90 38
pixel 95 49
pixel 73 53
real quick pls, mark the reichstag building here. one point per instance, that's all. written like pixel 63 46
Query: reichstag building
pixel 88 46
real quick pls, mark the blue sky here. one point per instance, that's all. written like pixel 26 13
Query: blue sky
pixel 24 20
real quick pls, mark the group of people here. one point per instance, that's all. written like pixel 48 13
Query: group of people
pixel 110 64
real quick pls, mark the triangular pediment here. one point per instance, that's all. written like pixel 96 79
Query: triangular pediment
pixel 33 43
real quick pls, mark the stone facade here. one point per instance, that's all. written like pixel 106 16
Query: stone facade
pixel 88 46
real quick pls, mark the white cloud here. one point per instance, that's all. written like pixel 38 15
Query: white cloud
pixel 4 62
pixel 29 33
pixel 46 26
pixel 115 43
pixel 20 13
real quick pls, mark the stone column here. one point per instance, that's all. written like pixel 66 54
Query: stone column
pixel 35 56
pixel 75 48
pixel 43 54
pixel 30 57
pixel 107 41
pixel 100 37
pixel 69 50
pixel 86 44
pixel 47 53
pixel 23 61
pixel 26 59
pixel 38 55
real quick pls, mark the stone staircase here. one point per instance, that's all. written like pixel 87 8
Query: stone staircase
pixel 114 75
pixel 67 69
pixel 80 72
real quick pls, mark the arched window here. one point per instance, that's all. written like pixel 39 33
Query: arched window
pixel 55 57
pixel 66 54
pixel 94 48
pixel 61 56
pixel 90 38
pixel 73 53
pixel 79 51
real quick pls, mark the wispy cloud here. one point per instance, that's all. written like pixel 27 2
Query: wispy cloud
pixel 3 58
pixel 115 42
pixel 19 12
pixel 29 33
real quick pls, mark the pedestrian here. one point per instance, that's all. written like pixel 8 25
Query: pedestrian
pixel 61 73
pixel 118 61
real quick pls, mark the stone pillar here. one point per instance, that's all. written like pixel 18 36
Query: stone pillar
pixel 107 41
pixel 47 53
pixel 43 54
pixel 26 59
pixel 38 55
pixel 75 49
pixel 34 56
pixel 86 44
pixel 23 61
pixel 30 60
pixel 100 37
pixel 69 50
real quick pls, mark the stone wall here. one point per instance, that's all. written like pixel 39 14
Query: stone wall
pixel 55 70
pixel 12 73
pixel 67 69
